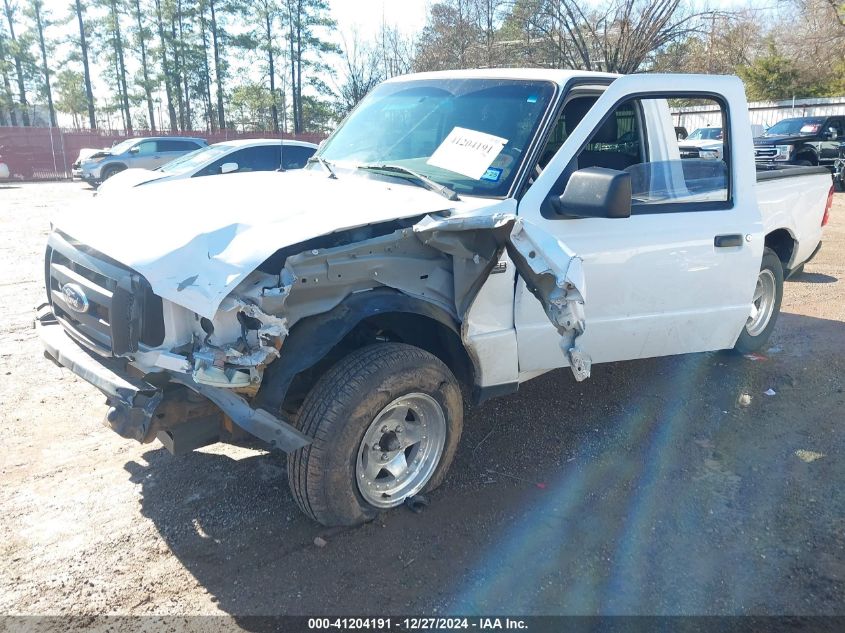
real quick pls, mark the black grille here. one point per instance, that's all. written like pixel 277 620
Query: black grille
pixel 689 152
pixel 119 310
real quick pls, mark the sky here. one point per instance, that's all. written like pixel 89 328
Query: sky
pixel 408 15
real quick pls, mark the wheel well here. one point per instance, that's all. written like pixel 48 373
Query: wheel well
pixel 783 244
pixel 400 327
pixel 112 166
pixel 808 155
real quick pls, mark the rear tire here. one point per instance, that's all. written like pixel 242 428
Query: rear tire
pixel 364 415
pixel 768 295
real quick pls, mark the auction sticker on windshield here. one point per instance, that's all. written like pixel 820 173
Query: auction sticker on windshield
pixel 467 152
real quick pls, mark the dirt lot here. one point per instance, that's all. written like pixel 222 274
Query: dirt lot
pixel 646 489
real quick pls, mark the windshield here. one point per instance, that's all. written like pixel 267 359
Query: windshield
pixel 197 158
pixel 123 146
pixel 470 135
pixel 790 127
pixel 706 134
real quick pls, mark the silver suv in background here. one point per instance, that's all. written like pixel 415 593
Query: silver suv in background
pixel 147 152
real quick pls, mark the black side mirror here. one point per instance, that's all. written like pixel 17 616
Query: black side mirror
pixel 595 192
pixel 832 133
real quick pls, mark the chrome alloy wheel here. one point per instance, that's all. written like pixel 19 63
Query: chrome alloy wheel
pixel 763 303
pixel 400 450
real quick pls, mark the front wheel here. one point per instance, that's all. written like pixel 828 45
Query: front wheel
pixel 385 423
pixel 765 305
pixel 108 172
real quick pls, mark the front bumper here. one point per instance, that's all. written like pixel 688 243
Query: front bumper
pixel 134 403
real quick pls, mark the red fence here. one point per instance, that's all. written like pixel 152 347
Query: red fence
pixel 39 153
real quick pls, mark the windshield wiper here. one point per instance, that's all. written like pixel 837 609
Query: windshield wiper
pixel 324 163
pixel 428 183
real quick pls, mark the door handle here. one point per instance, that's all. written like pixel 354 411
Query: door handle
pixel 726 241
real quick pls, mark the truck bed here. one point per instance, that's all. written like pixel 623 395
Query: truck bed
pixel 774 172
pixel 796 207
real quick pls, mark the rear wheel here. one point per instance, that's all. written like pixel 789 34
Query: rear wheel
pixel 385 423
pixel 765 305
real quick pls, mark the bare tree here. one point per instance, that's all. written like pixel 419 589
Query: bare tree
pixel 396 50
pixel 451 38
pixel 362 72
pixel 617 37
pixel 839 8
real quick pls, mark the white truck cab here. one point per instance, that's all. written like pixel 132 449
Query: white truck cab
pixel 460 233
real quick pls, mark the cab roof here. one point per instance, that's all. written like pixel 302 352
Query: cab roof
pixel 558 76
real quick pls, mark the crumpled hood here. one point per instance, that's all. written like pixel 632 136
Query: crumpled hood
pixel 194 240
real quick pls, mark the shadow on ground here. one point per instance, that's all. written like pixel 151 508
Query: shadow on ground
pixel 814 278
pixel 647 489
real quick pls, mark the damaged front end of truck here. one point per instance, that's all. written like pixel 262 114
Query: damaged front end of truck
pixel 234 372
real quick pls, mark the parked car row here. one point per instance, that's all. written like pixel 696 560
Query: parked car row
pixel 815 141
pixel 221 158
pixel 140 161
pixel 147 153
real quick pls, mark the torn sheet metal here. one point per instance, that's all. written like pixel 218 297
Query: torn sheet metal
pixel 197 258
pixel 322 278
pixel 219 365
pixel 555 276
pixel 475 243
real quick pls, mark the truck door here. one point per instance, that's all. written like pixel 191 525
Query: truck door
pixel 679 274
pixel 831 133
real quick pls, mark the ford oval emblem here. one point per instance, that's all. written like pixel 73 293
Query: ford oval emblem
pixel 75 297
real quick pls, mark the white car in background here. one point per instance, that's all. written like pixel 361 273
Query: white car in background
pixel 704 142
pixel 221 158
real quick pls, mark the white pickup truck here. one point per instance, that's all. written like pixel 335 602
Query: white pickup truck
pixel 460 233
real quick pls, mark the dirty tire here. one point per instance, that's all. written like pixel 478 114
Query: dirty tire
pixel 341 407
pixel 108 172
pixel 748 342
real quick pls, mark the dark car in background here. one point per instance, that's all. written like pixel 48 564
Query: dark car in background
pixel 839 169
pixel 811 140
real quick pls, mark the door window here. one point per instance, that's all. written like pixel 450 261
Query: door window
pixel 260 158
pixel 146 148
pixel 639 138
pixel 177 146
pixel 296 157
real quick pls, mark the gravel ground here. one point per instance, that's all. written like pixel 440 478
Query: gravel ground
pixel 648 489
